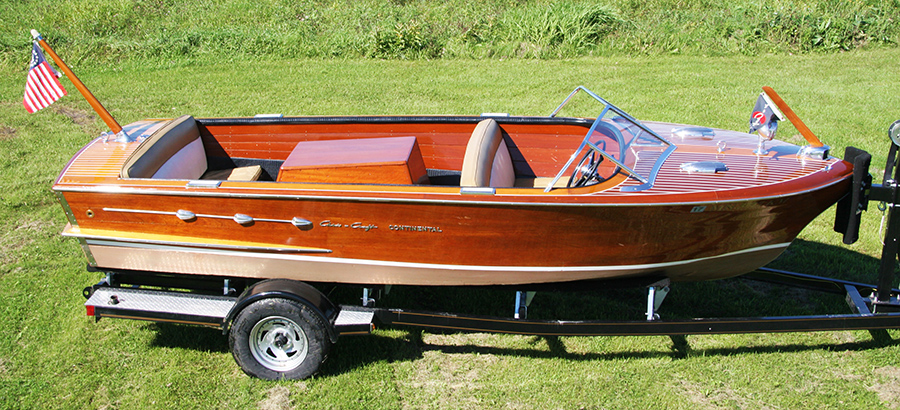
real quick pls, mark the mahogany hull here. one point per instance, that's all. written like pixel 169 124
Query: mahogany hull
pixel 709 227
pixel 442 242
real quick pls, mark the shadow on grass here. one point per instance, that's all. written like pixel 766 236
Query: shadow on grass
pixel 189 337
pixel 677 351
pixel 735 297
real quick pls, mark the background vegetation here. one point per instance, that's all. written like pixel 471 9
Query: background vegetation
pixel 418 29
pixel 696 62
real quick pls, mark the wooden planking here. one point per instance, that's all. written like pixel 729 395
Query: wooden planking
pixel 744 171
pixel 475 234
pixel 100 159
pixel 537 150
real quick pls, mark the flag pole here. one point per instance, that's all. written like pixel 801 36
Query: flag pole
pixel 98 107
pixel 793 118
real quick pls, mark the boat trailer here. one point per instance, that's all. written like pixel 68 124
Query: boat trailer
pixel 286 322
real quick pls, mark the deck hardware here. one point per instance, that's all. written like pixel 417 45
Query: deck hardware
pixel 203 184
pixel 811 152
pixel 268 116
pixel 477 191
pixel 720 146
pixel 495 114
pixel 703 167
pixel 656 293
pixel 694 132
pixel 244 220
pixel 301 223
pixel 113 300
pixel 761 148
pixel 185 215
pixel 523 300
pixel 90 213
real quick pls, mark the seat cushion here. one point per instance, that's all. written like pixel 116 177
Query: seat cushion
pixel 250 173
pixel 487 162
pixel 175 151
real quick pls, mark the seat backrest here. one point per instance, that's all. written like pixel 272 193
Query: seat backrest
pixel 487 162
pixel 175 151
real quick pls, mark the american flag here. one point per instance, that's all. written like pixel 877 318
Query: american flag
pixel 42 87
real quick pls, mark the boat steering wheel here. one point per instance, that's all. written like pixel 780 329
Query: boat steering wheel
pixel 586 171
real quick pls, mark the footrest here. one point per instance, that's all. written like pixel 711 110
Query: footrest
pixel 354 320
pixel 160 306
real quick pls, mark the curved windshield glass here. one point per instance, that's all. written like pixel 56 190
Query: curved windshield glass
pixel 614 140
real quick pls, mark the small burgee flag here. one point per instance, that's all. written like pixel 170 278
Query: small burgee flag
pixel 42 87
pixel 765 116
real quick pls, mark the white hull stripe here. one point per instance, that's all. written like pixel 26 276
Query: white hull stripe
pixel 431 266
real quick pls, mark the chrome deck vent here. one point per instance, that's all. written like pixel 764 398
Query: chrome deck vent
pixel 694 132
pixel 704 167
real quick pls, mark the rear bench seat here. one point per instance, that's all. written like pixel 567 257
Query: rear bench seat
pixel 175 151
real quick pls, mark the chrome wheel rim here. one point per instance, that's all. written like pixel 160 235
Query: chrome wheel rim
pixel 278 343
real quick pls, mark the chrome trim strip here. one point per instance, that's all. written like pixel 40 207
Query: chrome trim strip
pixel 209 184
pixel 477 191
pixel 72 222
pixel 181 246
pixel 143 191
pixel 87 251
pixel 66 208
pixel 415 265
pixel 242 219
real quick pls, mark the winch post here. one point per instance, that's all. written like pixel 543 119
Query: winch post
pixel 891 237
pixel 889 193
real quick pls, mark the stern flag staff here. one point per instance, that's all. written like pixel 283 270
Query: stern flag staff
pixel 95 104
pixel 42 87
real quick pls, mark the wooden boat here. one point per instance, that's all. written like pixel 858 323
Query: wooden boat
pixel 442 200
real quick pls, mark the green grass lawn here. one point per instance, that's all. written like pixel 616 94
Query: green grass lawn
pixel 53 356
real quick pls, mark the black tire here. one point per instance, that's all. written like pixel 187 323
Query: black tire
pixel 276 338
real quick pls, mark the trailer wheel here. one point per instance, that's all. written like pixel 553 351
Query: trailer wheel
pixel 278 339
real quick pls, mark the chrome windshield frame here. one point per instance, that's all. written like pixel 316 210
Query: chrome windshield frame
pixel 646 182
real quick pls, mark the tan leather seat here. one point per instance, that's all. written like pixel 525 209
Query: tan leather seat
pixel 176 151
pixel 487 162
pixel 172 152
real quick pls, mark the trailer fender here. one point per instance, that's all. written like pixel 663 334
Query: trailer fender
pixel 286 289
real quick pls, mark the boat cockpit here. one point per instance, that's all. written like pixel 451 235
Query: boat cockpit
pixel 496 154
